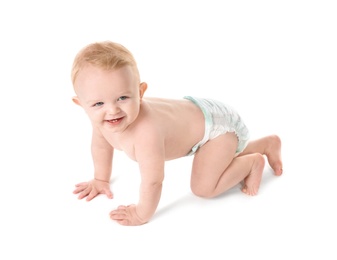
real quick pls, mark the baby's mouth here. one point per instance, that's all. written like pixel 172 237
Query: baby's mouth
pixel 113 121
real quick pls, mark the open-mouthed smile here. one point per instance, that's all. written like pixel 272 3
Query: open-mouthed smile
pixel 115 120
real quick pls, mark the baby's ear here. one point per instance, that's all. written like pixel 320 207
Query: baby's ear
pixel 142 89
pixel 76 100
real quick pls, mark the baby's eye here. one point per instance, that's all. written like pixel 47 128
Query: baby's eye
pixel 98 104
pixel 122 98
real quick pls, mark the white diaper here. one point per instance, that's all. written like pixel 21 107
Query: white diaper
pixel 220 119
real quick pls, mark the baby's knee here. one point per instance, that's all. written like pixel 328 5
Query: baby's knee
pixel 202 191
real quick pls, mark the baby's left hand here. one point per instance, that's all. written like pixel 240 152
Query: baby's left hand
pixel 127 216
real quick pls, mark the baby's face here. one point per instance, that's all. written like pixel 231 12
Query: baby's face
pixel 111 98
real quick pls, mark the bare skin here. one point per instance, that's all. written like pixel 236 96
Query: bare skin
pixel 154 130
pixel 216 169
pixel 271 147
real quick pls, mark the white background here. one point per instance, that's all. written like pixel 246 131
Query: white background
pixel 275 61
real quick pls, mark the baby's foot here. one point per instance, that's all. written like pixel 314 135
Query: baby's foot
pixel 273 153
pixel 252 182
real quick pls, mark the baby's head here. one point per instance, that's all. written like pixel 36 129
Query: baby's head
pixel 107 84
pixel 106 55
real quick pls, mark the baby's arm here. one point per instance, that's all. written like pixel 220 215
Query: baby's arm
pixel 151 160
pixel 102 153
pixel 152 176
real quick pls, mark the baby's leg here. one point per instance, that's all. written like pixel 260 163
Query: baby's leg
pixel 215 168
pixel 269 146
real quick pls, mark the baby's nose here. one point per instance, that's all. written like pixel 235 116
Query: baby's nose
pixel 112 110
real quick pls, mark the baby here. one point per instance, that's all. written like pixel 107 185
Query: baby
pixel 153 130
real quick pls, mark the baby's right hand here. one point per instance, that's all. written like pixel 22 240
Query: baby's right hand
pixel 93 188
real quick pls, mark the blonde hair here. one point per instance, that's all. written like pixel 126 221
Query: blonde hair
pixel 106 55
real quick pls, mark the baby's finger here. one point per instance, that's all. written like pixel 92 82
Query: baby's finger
pixel 79 189
pixel 92 195
pixel 109 194
pixel 84 193
pixel 81 184
pixel 118 214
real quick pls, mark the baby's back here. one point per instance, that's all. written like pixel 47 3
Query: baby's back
pixel 182 122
